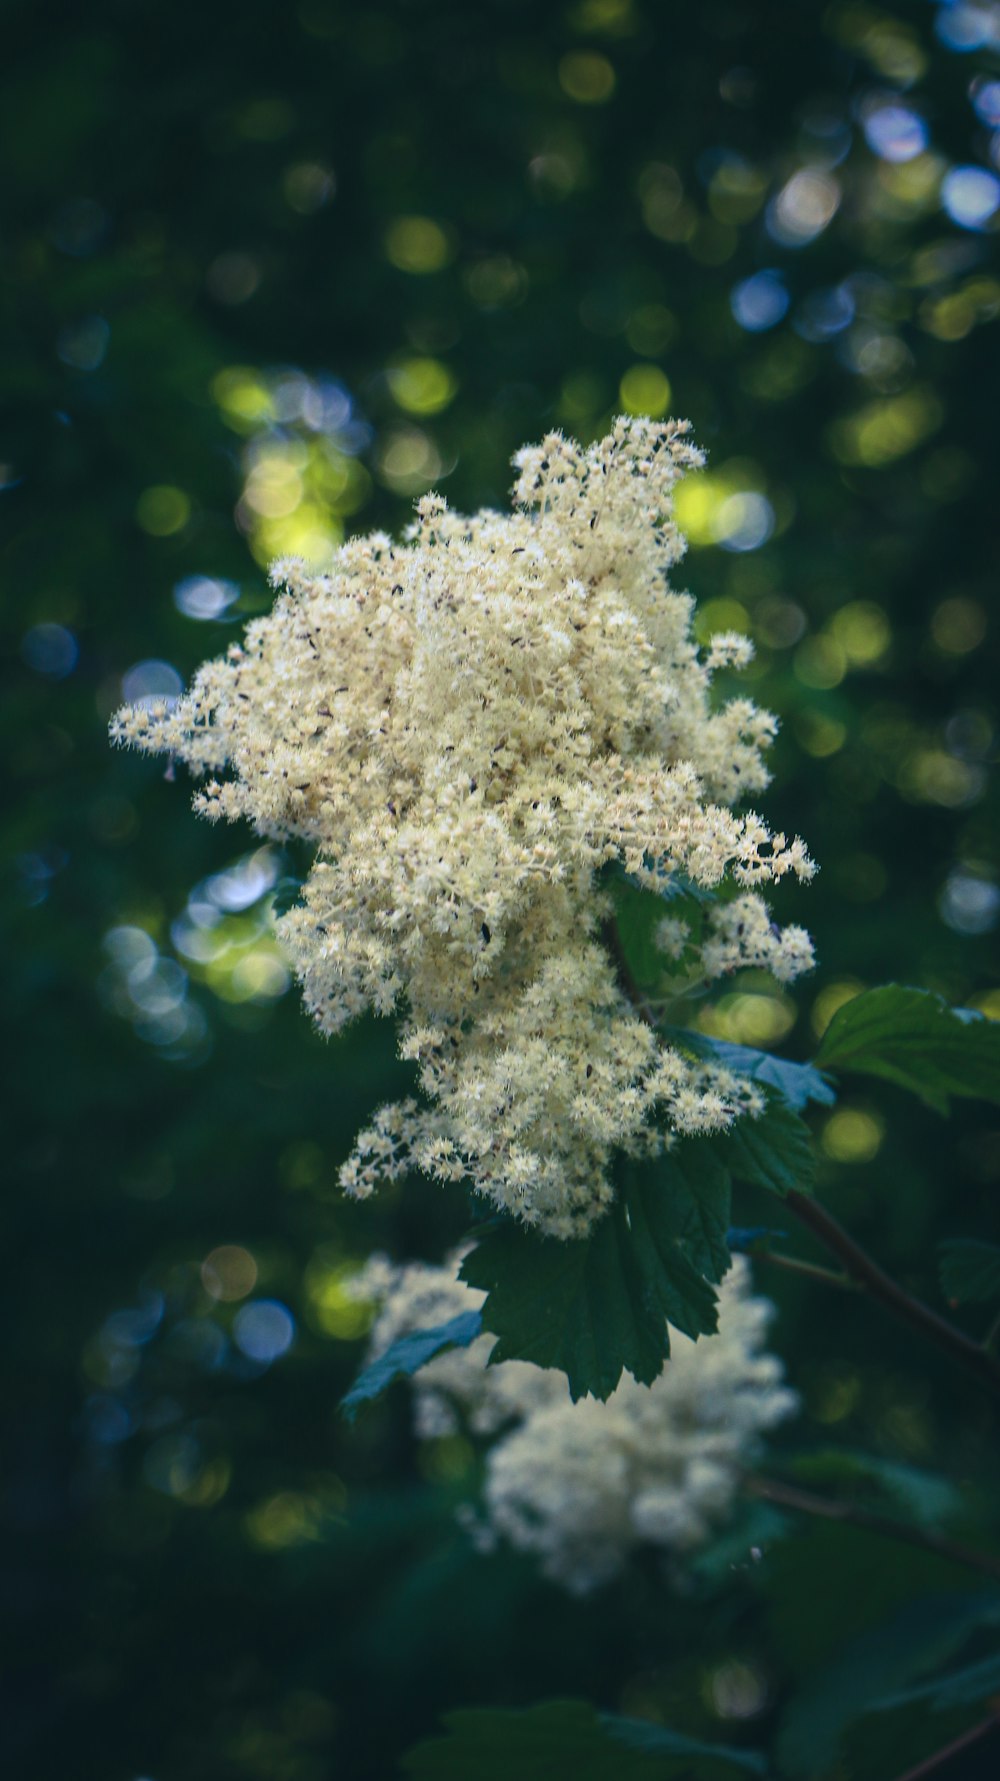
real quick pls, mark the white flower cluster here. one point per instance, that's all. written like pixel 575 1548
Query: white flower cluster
pixel 581 1486
pixel 467 727
pixel 740 935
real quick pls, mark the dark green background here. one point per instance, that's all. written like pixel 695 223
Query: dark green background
pixel 319 1613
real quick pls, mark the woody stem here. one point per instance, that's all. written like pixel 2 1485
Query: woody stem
pixel 808 1502
pixel 858 1265
pixel 862 1268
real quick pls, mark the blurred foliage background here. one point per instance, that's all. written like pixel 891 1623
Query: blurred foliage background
pixel 269 273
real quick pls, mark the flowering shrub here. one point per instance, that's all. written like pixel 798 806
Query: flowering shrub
pixel 498 737
pixel 468 727
pixel 582 1485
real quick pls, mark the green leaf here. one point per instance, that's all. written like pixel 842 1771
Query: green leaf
pixel 699 1191
pixel 658 1740
pixel 959 1688
pixel 677 884
pixel 561 1738
pixel 970 1271
pixel 912 1037
pixel 407 1355
pixel 638 913
pixel 743 1239
pixel 739 1545
pixel 798 1084
pixel 597 1306
pixel 287 895
pixel 924 1633
pixel 927 1497
pixel 774 1151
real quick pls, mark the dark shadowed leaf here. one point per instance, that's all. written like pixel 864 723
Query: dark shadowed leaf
pixel 740 1545
pixel 598 1306
pixel 287 895
pixel 743 1239
pixel 774 1151
pixel 925 1496
pixel 659 1741
pixel 912 1037
pixel 970 1271
pixel 567 1738
pixel 677 884
pixel 923 1634
pixel 698 1188
pixel 959 1688
pixel 638 914
pixel 408 1355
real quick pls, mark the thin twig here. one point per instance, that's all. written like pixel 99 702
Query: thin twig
pixel 858 1264
pixel 881 1286
pixel 775 1258
pixel 640 1002
pixel 932 1763
pixel 808 1502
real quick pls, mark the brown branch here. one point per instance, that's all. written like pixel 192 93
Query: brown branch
pixel 808 1502
pixel 931 1763
pixel 881 1286
pixel 858 1264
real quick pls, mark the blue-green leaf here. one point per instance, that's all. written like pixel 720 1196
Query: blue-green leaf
pixel 798 1084
pixel 408 1355
pixel 658 1740
pixel 743 1239
pixel 674 885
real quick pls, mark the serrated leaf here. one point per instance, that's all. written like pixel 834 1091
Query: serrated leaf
pixel 959 1688
pixel 970 1271
pixel 597 1306
pixel 924 1633
pixel 561 1737
pixel 774 1151
pixel 700 1195
pixel 797 1084
pixel 405 1357
pixel 913 1038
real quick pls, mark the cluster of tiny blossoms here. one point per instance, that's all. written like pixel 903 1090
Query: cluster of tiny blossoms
pixel 740 934
pixel 467 726
pixel 581 1486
